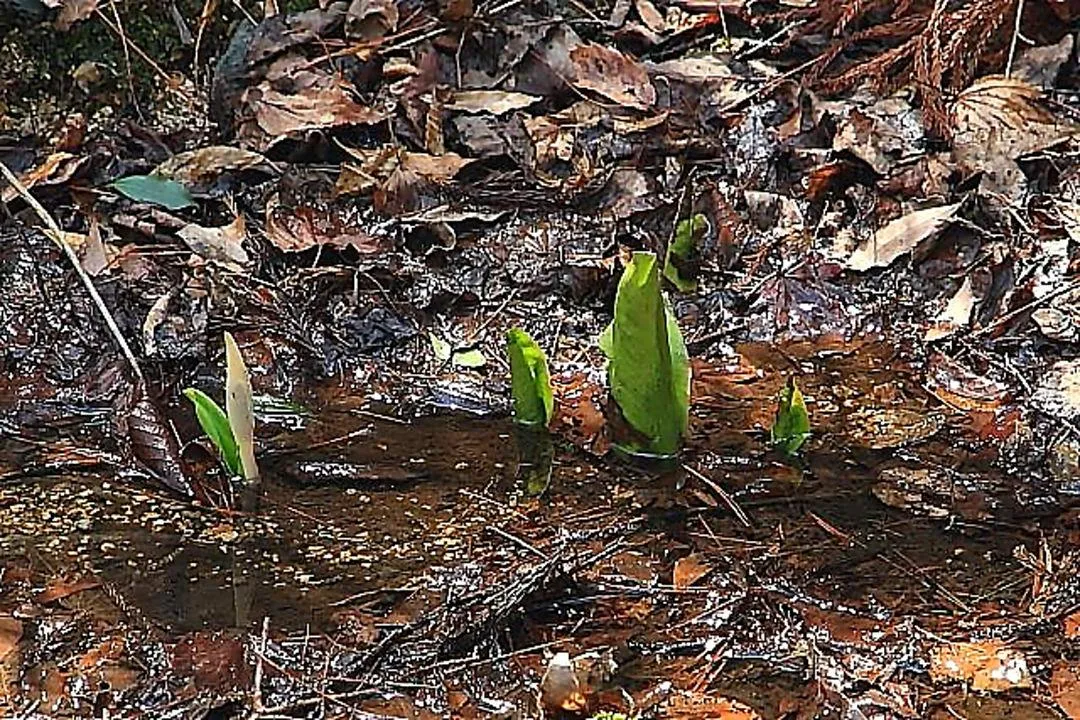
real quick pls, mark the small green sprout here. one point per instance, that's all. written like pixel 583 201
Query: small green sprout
pixel 530 382
pixel 791 428
pixel 680 263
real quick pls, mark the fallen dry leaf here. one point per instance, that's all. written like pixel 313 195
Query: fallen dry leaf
pixel 11 631
pixel 61 588
pixel 1065 688
pixel 901 236
pixel 57 169
pixel 1058 394
pixel 688 570
pixel 313 108
pixel 560 687
pixel 371 19
pixel 989 665
pixel 223 244
pixel 955 315
pixel 495 102
pixel 200 168
pixel 301 228
pixel 695 706
pixel 72 11
pixel 609 73
pixel 997 120
pixel 962 388
pixel 1071 625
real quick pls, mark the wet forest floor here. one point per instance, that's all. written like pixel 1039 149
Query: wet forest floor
pixel 368 195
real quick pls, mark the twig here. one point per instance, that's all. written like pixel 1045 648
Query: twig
pixel 739 513
pixel 1063 290
pixel 256 693
pixel 57 236
pixel 1015 38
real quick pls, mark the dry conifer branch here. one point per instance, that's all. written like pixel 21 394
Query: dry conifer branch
pixel 54 233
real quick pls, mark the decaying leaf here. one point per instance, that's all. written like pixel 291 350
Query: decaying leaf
pixel 688 570
pixel 1065 688
pixel 560 688
pixel 613 75
pixel 223 244
pixel 997 120
pixel 371 19
pixel 304 227
pixel 495 102
pixel 694 706
pixel 962 388
pixel 988 666
pixel 956 314
pixel 60 588
pixel 72 11
pixel 57 169
pixel 1058 393
pixel 200 168
pixel 281 116
pixel 901 236
pixel 11 631
pixel 153 442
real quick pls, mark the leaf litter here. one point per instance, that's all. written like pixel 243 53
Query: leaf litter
pixel 370 194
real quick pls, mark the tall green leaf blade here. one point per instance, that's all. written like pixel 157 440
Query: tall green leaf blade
pixel 155 190
pixel 215 424
pixel 791 428
pixel 648 370
pixel 530 381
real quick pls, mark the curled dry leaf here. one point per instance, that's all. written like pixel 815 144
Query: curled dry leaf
pixel 962 388
pixel 314 108
pixel 200 168
pixel 57 169
pixel 613 75
pixel 987 666
pixel 223 244
pixel 689 570
pixel 303 227
pixel 378 165
pixel 955 315
pixel 72 11
pixel 495 102
pixel 996 121
pixel 371 19
pixel 153 442
pixel 901 236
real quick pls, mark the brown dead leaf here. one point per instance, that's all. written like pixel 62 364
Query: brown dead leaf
pixel 371 19
pixel 688 570
pixel 57 169
pixel 200 168
pixel 223 244
pixel 72 11
pixel 11 631
pixel 61 588
pixel 313 108
pixel 1071 625
pixel 609 73
pixel 996 121
pixel 695 706
pixel 495 102
pixel 901 236
pixel 301 228
pixel 377 165
pixel 955 315
pixel 649 15
pixel 988 665
pixel 1058 394
pixel 560 687
pixel 962 388
pixel 214 661
pixel 1065 688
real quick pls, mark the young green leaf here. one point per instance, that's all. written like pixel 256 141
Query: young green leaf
pixel 239 404
pixel 469 358
pixel 216 426
pixel 680 263
pixel 649 371
pixel 155 190
pixel 530 382
pixel 791 428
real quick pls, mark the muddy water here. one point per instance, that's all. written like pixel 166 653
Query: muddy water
pixel 896 527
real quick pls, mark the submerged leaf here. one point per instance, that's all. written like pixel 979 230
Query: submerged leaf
pixel 791 428
pixel 680 263
pixel 215 424
pixel 649 371
pixel 530 381
pixel 239 404
pixel 155 190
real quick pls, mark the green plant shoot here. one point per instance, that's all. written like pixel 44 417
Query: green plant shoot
pixel 215 424
pixel 530 382
pixel 648 370
pixel 680 262
pixel 791 428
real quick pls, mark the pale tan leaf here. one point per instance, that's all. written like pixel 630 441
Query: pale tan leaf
pixel 238 406
pixel 313 108
pixel 956 314
pixel 608 72
pixel 901 236
pixel 223 244
pixel 987 666
pixel 496 102
pixel 201 167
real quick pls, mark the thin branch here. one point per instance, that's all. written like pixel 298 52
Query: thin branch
pixel 55 234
